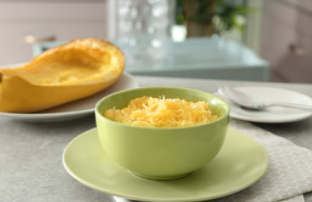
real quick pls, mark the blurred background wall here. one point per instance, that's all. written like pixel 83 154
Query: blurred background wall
pixel 279 31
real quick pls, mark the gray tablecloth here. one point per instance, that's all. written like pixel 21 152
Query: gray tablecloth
pixel 31 153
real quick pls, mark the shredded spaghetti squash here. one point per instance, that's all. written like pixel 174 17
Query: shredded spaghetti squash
pixel 162 112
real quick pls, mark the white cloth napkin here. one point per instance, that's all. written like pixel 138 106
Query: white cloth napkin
pixel 289 174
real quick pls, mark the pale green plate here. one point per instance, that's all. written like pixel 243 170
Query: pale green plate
pixel 241 162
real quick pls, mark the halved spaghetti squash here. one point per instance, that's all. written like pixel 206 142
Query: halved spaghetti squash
pixel 60 75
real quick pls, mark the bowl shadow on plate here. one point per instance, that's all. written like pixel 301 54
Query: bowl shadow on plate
pixel 189 183
pixel 192 183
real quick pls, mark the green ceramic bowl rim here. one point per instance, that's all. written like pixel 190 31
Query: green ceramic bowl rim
pixel 156 128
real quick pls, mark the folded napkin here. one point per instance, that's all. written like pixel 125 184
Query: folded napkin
pixel 289 174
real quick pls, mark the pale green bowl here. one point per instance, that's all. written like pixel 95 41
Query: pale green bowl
pixel 161 153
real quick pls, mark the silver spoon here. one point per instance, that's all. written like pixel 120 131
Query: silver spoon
pixel 246 101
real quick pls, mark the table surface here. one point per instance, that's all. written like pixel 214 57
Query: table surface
pixel 31 153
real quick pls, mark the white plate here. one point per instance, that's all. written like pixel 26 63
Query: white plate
pixel 272 114
pixel 74 109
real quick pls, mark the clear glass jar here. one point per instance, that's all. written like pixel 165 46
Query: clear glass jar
pixel 143 28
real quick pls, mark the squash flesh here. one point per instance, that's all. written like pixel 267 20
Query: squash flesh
pixel 60 75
